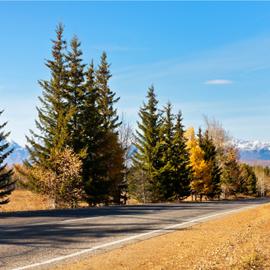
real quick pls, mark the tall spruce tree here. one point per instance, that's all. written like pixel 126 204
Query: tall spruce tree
pixel 231 175
pixel 163 171
pixel 107 98
pixel 75 94
pixel 147 137
pixel 7 185
pixel 174 169
pixel 111 150
pixel 181 161
pixel 94 136
pixel 248 180
pixel 212 188
pixel 53 114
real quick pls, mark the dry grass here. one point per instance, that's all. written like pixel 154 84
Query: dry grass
pixel 25 200
pixel 238 241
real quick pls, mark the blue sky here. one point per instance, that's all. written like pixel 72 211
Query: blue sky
pixel 209 58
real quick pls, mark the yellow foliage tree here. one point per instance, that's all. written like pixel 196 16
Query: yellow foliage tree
pixel 201 176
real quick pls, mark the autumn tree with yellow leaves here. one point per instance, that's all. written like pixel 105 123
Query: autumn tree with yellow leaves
pixel 200 175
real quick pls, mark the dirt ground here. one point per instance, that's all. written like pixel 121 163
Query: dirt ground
pixel 25 200
pixel 237 241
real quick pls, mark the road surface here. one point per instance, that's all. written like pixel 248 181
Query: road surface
pixel 34 240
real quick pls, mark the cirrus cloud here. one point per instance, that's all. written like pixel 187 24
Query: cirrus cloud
pixel 219 82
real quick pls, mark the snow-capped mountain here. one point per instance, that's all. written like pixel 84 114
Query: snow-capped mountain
pixel 253 150
pixel 18 155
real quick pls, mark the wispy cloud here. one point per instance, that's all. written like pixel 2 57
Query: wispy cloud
pixel 218 82
pixel 237 59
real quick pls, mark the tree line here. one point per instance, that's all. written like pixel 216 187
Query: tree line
pixel 172 163
pixel 81 151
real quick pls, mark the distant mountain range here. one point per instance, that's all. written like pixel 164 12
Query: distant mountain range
pixel 253 150
pixel 250 151
pixel 18 155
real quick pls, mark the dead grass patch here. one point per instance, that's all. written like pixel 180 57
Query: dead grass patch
pixel 25 200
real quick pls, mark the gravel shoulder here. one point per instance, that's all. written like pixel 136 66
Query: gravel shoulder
pixel 237 241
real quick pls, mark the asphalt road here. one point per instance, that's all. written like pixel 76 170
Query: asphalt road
pixel 30 239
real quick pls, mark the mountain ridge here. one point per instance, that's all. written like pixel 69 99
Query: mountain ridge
pixel 253 150
pixel 249 150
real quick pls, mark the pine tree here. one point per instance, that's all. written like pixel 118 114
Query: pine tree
pixel 163 170
pixel 230 177
pixel 96 140
pixel 248 180
pixel 93 169
pixel 112 165
pixel 115 166
pixel 147 137
pixel 180 161
pixel 173 171
pixel 53 115
pixel 7 185
pixel 212 187
pixel 106 99
pixel 75 94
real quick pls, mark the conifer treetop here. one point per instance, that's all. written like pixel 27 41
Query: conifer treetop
pixel 7 185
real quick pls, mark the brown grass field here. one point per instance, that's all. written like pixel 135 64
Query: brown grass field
pixel 238 241
pixel 25 200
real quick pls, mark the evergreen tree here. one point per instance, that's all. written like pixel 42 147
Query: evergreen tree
pixel 163 170
pixel 173 171
pixel 180 161
pixel 147 137
pixel 106 99
pixel 103 171
pixel 111 167
pixel 212 187
pixel 7 185
pixel 75 94
pixel 115 169
pixel 230 177
pixel 248 180
pixel 53 115
pixel 93 169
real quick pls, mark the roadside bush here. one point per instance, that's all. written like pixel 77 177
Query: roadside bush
pixel 62 183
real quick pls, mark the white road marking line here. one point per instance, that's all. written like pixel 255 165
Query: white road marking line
pixel 120 241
